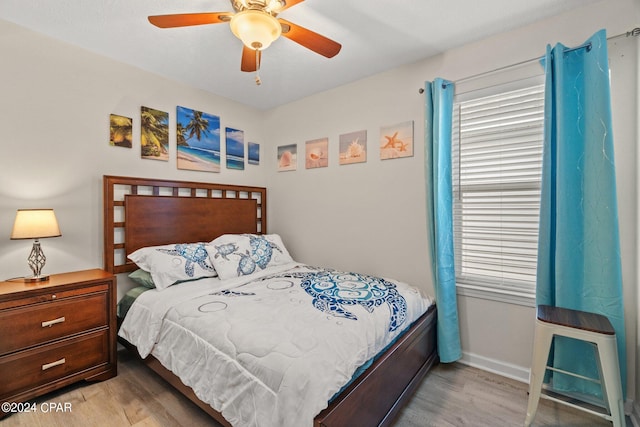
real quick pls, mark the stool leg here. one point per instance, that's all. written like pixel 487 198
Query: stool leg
pixel 541 346
pixel 611 384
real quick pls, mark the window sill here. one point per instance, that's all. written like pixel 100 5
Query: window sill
pixel 500 295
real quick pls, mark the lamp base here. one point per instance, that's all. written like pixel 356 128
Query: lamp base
pixel 36 263
pixel 35 279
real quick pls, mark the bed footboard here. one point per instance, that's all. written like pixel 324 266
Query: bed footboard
pixel 376 397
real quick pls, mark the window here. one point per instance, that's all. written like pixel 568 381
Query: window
pixel 497 168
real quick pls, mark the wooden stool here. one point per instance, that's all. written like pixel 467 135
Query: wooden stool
pixel 589 327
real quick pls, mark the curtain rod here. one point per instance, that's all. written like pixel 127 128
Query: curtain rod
pixel 634 32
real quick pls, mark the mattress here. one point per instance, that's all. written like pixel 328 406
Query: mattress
pixel 271 349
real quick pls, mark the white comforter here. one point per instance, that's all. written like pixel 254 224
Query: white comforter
pixel 271 349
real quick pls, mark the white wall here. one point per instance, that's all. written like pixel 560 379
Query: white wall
pixel 55 104
pixel 54 110
pixel 623 59
pixel 371 217
pixel 368 217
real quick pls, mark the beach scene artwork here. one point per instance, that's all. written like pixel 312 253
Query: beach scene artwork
pixel 198 140
pixel 316 155
pixel 235 148
pixel 353 147
pixel 287 157
pixel 154 134
pixel 120 131
pixel 396 141
pixel 253 153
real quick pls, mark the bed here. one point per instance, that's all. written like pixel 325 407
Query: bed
pixel 142 213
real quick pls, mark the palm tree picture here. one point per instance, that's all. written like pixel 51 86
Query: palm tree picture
pixel 120 130
pixel 198 140
pixel 154 134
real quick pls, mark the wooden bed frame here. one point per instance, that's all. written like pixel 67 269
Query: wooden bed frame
pixel 142 212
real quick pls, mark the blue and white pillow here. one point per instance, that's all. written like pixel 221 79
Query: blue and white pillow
pixel 174 263
pixel 235 255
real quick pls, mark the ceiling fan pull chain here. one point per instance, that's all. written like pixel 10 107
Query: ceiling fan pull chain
pixel 258 81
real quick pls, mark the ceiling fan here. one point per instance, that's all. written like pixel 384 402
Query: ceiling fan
pixel 255 22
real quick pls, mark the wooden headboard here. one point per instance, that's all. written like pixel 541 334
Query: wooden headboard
pixel 141 212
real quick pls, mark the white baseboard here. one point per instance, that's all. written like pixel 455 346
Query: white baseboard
pixel 518 373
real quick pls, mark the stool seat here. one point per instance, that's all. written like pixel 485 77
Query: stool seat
pixel 575 319
pixel 589 327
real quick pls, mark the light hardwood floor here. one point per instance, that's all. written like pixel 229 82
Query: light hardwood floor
pixel 450 395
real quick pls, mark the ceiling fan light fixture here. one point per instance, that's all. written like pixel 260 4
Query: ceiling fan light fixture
pixel 269 6
pixel 274 5
pixel 255 28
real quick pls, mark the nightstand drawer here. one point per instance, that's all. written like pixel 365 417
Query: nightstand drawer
pixel 41 365
pixel 24 327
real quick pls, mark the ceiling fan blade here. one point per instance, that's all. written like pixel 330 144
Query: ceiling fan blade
pixel 250 62
pixel 188 19
pixel 309 39
pixel 289 3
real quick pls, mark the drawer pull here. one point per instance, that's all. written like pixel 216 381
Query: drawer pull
pixel 50 323
pixel 52 364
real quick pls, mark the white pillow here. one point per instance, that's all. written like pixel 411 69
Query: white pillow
pixel 173 263
pixel 235 255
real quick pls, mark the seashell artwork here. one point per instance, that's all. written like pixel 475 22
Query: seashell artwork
pixel 353 147
pixel 287 157
pixel 316 153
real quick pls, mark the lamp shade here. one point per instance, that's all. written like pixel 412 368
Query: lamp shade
pixel 255 28
pixel 35 224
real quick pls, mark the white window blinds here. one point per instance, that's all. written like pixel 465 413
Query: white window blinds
pixel 497 166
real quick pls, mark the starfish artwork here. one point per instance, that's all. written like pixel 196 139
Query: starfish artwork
pixel 396 141
pixel 392 141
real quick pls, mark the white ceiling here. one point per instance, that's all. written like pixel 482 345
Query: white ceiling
pixel 375 35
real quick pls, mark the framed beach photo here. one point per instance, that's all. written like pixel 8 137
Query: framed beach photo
pixel 396 141
pixel 235 148
pixel 253 153
pixel 353 147
pixel 287 157
pixel 154 134
pixel 120 131
pixel 198 140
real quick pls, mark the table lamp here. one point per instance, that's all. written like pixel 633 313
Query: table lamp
pixel 35 224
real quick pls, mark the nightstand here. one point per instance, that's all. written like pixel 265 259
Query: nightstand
pixel 55 333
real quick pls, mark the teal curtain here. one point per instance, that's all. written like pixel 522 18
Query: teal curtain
pixel 579 252
pixel 438 117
